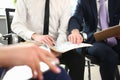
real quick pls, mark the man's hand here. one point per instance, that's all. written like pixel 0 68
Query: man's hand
pixel 57 54
pixel 27 54
pixel 45 39
pixel 75 37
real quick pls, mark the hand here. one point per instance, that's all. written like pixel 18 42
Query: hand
pixel 45 39
pixel 57 54
pixel 27 54
pixel 75 37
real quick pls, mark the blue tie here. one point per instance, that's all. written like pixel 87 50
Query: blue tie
pixel 104 22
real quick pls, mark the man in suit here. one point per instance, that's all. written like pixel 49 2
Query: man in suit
pixel 85 22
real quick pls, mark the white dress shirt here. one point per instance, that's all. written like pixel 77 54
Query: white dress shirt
pixel 29 18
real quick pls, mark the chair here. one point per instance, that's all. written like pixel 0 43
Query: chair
pixel 9 18
pixel 11 36
pixel 88 61
pixel 92 60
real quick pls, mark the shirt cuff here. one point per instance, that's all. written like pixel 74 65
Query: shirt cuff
pixel 28 35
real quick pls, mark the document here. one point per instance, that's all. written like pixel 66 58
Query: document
pixel 61 48
pixel 109 32
pixel 67 46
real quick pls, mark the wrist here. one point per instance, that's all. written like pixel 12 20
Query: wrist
pixel 84 35
pixel 74 31
pixel 33 36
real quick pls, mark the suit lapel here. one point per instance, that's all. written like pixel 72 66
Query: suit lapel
pixel 94 9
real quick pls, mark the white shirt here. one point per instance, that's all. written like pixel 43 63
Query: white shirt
pixel 29 18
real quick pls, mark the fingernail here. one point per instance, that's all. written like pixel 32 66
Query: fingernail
pixel 35 74
pixel 58 70
pixel 41 78
pixel 57 61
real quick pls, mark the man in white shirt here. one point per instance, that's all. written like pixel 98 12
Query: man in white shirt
pixel 28 23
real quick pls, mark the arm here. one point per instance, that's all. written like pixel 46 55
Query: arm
pixel 75 37
pixel 19 24
pixel 64 19
pixel 45 39
pixel 24 23
pixel 76 20
pixel 26 54
pixel 75 25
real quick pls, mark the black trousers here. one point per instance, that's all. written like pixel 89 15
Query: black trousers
pixel 107 57
pixel 50 75
pixel 75 62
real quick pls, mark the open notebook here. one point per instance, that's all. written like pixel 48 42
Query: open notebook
pixel 62 48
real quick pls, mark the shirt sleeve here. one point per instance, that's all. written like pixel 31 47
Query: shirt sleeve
pixel 64 19
pixel 19 25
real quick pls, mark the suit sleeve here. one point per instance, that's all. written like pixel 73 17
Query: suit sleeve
pixel 76 20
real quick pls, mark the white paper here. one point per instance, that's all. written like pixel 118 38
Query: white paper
pixel 69 46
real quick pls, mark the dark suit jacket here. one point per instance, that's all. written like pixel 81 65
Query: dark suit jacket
pixel 85 17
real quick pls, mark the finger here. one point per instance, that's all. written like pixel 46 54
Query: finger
pixel 33 68
pixel 79 40
pixel 43 54
pixel 71 39
pixel 55 53
pixel 52 64
pixel 39 72
pixel 74 39
pixel 47 41
pixel 46 53
pixel 51 38
pixel 47 60
pixel 50 42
